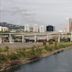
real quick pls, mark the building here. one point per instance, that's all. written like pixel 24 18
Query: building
pixel 3 29
pixel 70 25
pixel 0 28
pixel 50 28
pixel 31 28
pixel 41 28
pixel 27 28
pixel 35 28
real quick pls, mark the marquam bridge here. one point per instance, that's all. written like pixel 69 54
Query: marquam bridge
pixel 24 37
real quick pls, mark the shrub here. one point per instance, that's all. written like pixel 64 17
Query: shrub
pixel 48 48
pixel 13 56
pixel 3 58
pixel 1 50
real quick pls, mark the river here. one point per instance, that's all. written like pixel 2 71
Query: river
pixel 61 62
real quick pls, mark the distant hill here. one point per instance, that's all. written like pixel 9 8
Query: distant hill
pixel 11 26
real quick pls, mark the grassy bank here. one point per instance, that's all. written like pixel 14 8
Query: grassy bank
pixel 9 57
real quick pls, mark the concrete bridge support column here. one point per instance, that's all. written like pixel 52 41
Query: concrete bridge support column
pixel 23 39
pixel 59 37
pixel 0 40
pixel 47 38
pixel 35 38
pixel 71 37
pixel 10 39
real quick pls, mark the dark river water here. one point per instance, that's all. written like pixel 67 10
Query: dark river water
pixel 61 62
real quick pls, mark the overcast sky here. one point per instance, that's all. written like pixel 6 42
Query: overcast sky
pixel 47 12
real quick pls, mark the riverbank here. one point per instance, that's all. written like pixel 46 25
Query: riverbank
pixel 57 51
pixel 40 52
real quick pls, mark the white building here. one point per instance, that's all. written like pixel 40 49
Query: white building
pixel 3 29
pixel 27 28
pixel 35 28
pixel 0 28
pixel 68 26
pixel 41 28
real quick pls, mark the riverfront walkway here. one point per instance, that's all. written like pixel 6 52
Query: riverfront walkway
pixel 20 45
